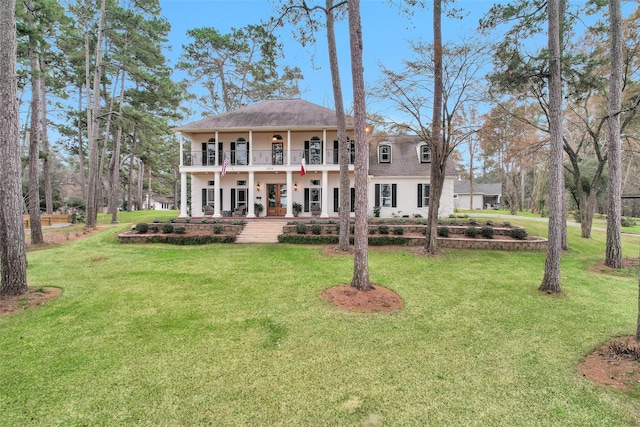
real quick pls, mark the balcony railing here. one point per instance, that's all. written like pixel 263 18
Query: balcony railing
pixel 262 157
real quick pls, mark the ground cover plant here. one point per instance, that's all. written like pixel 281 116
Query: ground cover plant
pixel 238 335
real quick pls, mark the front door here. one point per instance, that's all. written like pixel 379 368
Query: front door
pixel 277 199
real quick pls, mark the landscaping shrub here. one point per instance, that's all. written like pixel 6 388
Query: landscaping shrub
pixel 489 222
pixel 627 222
pixel 471 231
pixel 179 230
pixel 372 230
pixel 154 229
pixel 301 228
pixel 142 228
pixel 443 231
pixel 487 232
pixel 473 221
pixel 506 224
pixel 398 231
pixel 518 233
pixel 217 229
pixel 167 228
pixel 383 229
pixel 316 229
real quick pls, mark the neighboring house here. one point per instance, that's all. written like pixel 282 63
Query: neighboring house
pixel 254 155
pixel 485 196
pixel 158 203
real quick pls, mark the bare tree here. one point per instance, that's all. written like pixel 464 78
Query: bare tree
pixel 551 280
pixel 361 234
pixel 613 256
pixel 13 258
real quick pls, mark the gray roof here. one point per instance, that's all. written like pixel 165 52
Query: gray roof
pixel 404 157
pixel 464 187
pixel 279 114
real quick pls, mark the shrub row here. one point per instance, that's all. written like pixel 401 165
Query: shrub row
pixel 190 240
pixel 328 239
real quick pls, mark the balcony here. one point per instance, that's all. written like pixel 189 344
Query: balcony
pixel 262 158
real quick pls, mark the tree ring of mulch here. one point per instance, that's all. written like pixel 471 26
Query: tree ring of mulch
pixel 378 299
pixel 615 365
pixel 34 297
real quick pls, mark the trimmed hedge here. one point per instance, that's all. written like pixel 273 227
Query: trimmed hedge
pixel 190 240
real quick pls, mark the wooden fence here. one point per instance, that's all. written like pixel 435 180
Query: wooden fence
pixel 47 220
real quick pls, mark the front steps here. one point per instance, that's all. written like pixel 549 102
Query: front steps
pixel 257 231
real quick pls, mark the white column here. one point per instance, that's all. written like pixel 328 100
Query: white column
pixel 251 212
pixel 289 213
pixel 216 195
pixel 183 195
pixel 196 197
pixel 325 194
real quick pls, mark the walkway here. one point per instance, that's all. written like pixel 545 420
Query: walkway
pixel 261 231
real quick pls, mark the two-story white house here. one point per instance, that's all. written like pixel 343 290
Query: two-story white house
pixel 255 156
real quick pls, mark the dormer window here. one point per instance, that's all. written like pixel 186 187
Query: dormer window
pixel 384 153
pixel 425 154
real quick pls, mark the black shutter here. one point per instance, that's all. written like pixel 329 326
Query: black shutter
pixel 306 200
pixel 204 196
pixel 419 195
pixel 394 202
pixel 336 198
pixel 306 156
pixel 233 153
pixel 233 199
pixel 377 195
pixel 336 150
pixel 353 199
pixel 220 153
pixel 204 154
pixel 220 199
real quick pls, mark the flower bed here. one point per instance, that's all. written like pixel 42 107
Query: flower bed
pixel 183 233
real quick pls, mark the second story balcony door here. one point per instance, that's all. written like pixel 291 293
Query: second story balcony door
pixel 277 199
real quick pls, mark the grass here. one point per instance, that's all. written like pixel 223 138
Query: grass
pixel 237 335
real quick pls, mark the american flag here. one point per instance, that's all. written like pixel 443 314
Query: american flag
pixel 225 162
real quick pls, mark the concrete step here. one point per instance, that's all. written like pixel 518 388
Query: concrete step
pixel 256 231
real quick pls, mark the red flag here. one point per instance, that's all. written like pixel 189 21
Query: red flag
pixel 302 165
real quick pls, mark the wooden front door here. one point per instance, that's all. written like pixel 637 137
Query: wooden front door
pixel 276 199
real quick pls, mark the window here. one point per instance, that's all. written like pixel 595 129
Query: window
pixel 423 195
pixel 277 153
pixel 209 152
pixel 386 195
pixel 312 197
pixel 425 154
pixel 240 152
pixel 336 199
pixel 315 151
pixel 315 182
pixel 384 153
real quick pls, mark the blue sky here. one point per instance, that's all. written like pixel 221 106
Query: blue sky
pixel 386 36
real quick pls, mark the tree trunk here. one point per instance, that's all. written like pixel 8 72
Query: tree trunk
pixel 13 257
pixel 94 109
pixel 83 181
pixel 343 146
pixel 46 161
pixel 361 243
pixel 613 257
pixel 551 280
pixel 34 134
pixel 437 142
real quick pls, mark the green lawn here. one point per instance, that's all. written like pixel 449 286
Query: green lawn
pixel 234 334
